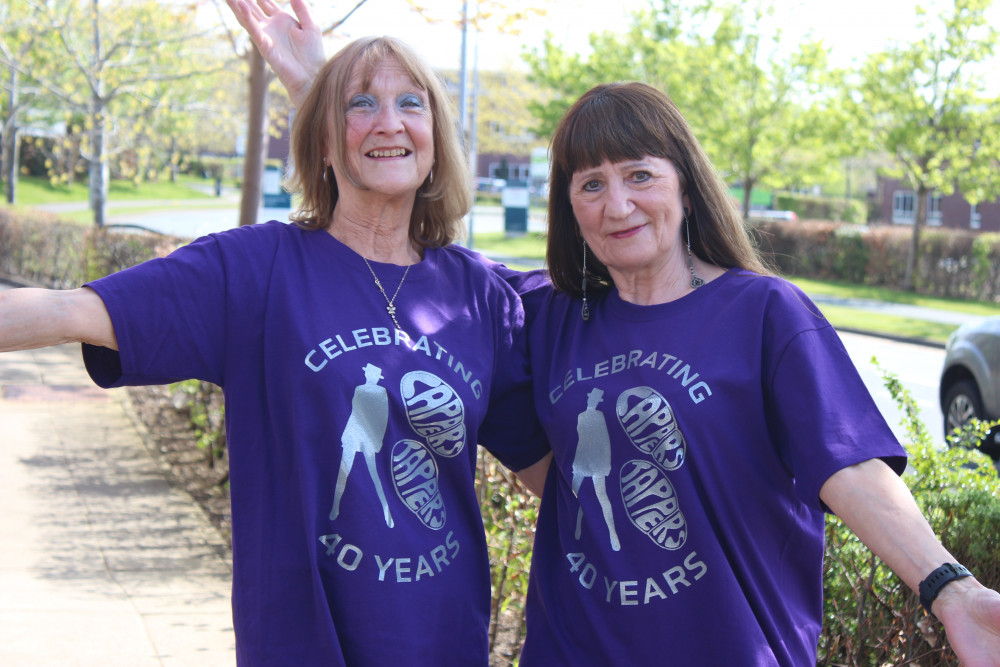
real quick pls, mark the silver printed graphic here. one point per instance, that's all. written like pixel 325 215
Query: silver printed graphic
pixel 652 504
pixel 649 422
pixel 593 460
pixel 435 412
pixel 364 433
pixel 415 476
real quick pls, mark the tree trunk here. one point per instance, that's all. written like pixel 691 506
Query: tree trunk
pixel 98 168
pixel 747 197
pixel 919 218
pixel 11 162
pixel 98 164
pixel 174 168
pixel 10 143
pixel 257 140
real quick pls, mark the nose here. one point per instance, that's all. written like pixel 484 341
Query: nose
pixel 389 120
pixel 618 203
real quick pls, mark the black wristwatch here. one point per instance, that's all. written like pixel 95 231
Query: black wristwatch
pixel 938 579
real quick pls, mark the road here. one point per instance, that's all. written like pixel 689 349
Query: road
pixel 918 368
pixel 188 222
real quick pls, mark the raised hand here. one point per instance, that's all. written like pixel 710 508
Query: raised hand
pixel 292 46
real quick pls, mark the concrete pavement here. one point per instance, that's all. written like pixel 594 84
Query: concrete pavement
pixel 102 560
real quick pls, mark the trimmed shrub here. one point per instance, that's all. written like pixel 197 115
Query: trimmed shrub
pixel 871 617
pixel 37 247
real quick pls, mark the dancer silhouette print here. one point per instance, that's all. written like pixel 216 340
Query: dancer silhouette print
pixel 364 432
pixel 593 460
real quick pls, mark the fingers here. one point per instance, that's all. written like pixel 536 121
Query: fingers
pixel 268 7
pixel 301 10
pixel 250 18
pixel 244 13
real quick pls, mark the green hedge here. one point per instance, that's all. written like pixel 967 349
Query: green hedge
pixel 870 617
pixel 37 247
pixel 822 208
pixel 952 263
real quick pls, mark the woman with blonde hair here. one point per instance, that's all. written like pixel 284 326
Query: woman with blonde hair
pixel 359 329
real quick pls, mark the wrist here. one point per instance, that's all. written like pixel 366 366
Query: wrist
pixel 941 579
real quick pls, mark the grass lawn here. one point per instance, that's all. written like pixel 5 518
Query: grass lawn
pixel 846 290
pixel 32 191
pixel 863 320
pixel 530 245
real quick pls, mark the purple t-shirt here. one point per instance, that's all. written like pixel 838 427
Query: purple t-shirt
pixel 681 521
pixel 357 537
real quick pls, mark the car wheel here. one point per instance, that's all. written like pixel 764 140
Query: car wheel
pixel 962 405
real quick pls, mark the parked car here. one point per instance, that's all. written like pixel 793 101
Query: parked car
pixel 970 379
pixel 493 185
pixel 773 216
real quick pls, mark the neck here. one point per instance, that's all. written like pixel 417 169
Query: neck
pixel 378 233
pixel 668 283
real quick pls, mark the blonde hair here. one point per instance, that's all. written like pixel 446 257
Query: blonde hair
pixel 442 199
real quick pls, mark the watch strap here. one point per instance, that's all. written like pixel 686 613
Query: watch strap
pixel 938 579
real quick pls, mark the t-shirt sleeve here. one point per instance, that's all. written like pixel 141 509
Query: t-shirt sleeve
pixel 171 315
pixel 511 430
pixel 821 414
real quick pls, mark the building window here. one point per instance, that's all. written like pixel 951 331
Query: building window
pixel 903 207
pixel 975 218
pixel 934 209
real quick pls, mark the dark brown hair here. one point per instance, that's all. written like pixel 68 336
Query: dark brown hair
pixel 628 121
pixel 440 205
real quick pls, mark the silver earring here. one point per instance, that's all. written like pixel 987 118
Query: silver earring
pixel 585 312
pixel 696 282
pixel 430 179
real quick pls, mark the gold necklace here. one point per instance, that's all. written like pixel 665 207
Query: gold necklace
pixel 391 307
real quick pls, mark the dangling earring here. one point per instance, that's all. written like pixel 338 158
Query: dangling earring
pixel 585 312
pixel 430 179
pixel 324 170
pixel 696 282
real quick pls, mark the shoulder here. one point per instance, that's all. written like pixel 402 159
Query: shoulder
pixel 773 292
pixel 519 281
pixel 265 233
pixel 258 246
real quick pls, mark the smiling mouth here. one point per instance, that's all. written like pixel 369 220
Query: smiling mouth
pixel 392 152
pixel 625 233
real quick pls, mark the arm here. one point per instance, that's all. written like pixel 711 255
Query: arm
pixel 875 504
pixel 32 318
pixel 534 475
pixel 293 47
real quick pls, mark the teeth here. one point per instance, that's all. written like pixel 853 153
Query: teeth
pixel 395 152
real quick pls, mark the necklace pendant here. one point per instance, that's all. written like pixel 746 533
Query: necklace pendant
pixel 391 307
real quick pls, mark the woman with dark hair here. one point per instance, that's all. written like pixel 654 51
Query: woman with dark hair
pixel 736 421
pixel 358 330
pixel 646 114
